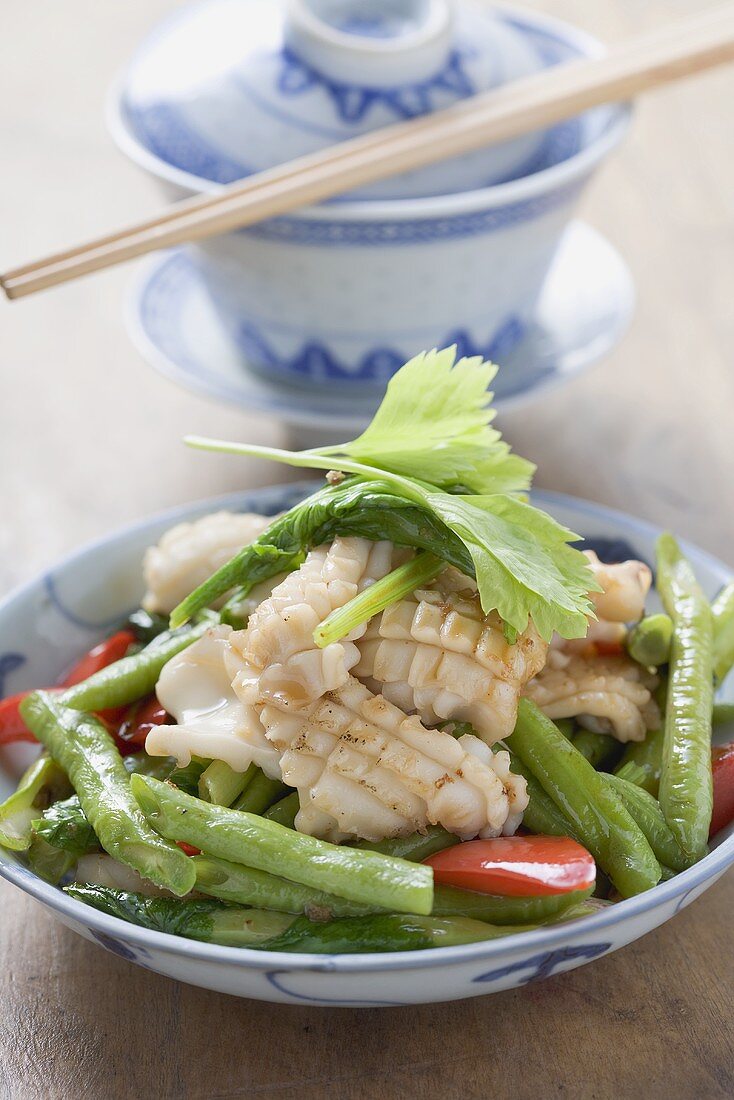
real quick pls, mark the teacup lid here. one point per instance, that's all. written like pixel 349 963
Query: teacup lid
pixel 232 87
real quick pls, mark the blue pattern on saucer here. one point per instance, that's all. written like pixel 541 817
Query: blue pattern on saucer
pixel 315 361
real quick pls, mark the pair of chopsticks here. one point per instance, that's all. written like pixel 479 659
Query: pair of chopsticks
pixel 532 103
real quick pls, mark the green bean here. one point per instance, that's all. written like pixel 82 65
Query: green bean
pixel 387 932
pixel 260 793
pixel 212 922
pixel 416 847
pixel 648 642
pixel 284 812
pixel 648 755
pixel 221 784
pixel 632 773
pixel 601 822
pixel 449 901
pixel 566 726
pixel 647 813
pixel 32 794
pixel 247 886
pixel 81 745
pixel 245 838
pixel 686 789
pixel 132 677
pixel 723 612
pixel 723 714
pixel 541 815
pixel 187 779
pixel 600 749
pixel 65 825
pixel 197 918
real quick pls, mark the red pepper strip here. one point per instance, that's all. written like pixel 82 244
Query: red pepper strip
pixel 722 766
pixel 188 849
pixel 139 719
pixel 12 726
pixel 516 866
pixel 106 653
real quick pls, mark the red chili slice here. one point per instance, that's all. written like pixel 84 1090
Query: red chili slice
pixel 516 866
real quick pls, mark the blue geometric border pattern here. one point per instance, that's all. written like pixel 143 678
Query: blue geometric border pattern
pixel 353 102
pixel 543 965
pixel 334 232
pixel 316 361
pixel 165 132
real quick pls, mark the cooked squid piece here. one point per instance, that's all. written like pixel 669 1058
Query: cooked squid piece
pixel 606 694
pixel 195 687
pixel 364 769
pixel 190 552
pixel 626 585
pixel 437 653
pixel 283 663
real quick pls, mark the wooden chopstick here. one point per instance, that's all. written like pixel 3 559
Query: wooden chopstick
pixel 532 103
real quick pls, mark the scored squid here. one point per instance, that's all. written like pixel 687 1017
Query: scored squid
pixel 606 694
pixel 364 769
pixel 285 664
pixel 195 687
pixel 593 679
pixel 437 653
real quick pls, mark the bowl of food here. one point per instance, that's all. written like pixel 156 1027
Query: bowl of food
pixel 394 724
pixel 383 740
pixel 457 253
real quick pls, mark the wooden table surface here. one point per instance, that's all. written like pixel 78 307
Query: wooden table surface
pixel 89 440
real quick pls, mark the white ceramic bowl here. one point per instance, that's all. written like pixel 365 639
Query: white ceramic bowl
pixel 345 292
pixel 48 622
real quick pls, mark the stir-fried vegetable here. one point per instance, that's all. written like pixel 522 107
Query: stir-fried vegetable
pixel 441 480
pixel 133 677
pixel 213 922
pixel 648 642
pixel 359 876
pixel 600 820
pixel 81 745
pixel 516 866
pixel 686 794
pixel 43 781
pixel 723 783
pixel 723 613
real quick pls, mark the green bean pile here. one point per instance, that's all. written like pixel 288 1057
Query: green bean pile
pixel 214 855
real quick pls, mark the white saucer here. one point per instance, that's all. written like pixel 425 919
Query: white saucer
pixel 585 306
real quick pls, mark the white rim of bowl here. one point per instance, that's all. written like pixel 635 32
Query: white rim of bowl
pixel 714 863
pixel 460 202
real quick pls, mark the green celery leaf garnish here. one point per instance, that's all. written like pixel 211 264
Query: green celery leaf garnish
pixel 430 446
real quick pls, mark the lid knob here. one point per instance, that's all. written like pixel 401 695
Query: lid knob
pixel 374 43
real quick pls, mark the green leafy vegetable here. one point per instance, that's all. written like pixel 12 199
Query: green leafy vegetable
pixel 433 423
pixel 446 483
